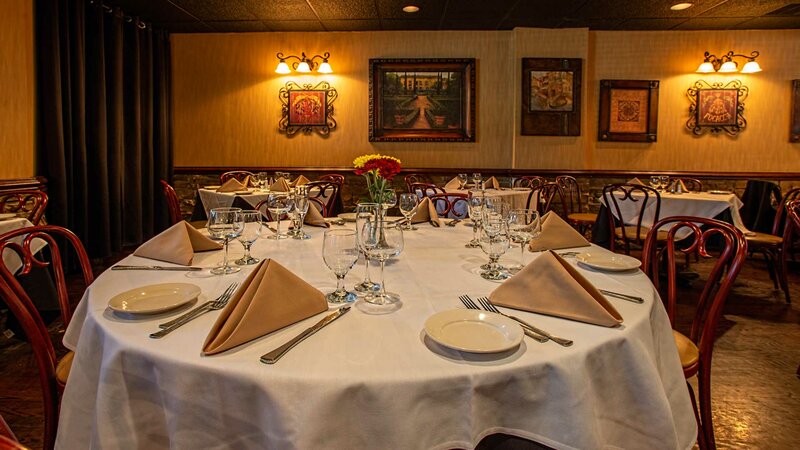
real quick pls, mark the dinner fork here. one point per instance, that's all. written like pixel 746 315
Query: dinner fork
pixel 471 305
pixel 219 303
pixel 489 306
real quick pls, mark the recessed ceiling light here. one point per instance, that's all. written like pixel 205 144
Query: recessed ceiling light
pixel 681 6
pixel 410 8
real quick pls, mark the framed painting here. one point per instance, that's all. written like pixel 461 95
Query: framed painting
pixel 306 108
pixel 413 100
pixel 717 107
pixel 794 133
pixel 551 96
pixel 628 110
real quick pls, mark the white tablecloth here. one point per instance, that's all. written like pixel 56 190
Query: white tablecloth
pixel 213 199
pixel 10 257
pixel 517 198
pixel 372 381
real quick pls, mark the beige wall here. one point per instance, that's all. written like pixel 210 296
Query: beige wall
pixel 226 107
pixel 16 89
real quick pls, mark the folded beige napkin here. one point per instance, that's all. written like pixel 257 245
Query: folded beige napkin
pixel 299 181
pixel 280 185
pixel 426 212
pixel 270 298
pixel 549 285
pixel 635 180
pixel 314 218
pixel 491 183
pixel 177 244
pixel 557 234
pixel 452 184
pixel 234 185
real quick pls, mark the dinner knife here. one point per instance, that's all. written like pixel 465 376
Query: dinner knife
pixel 123 267
pixel 273 356
pixel 630 298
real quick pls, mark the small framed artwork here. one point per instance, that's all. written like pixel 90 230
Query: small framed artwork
pixel 717 107
pixel 628 110
pixel 794 135
pixel 551 96
pixel 413 100
pixel 306 108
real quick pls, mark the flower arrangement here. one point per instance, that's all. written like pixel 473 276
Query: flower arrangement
pixel 378 170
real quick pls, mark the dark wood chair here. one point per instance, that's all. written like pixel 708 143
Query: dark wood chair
pixel 338 206
pixel 575 214
pixel 619 197
pixel 240 176
pixel 53 373
pixel 174 206
pixel 451 205
pixel 325 191
pixel 415 178
pixel 695 350
pixel 692 184
pixel 7 439
pixel 312 203
pixel 30 204
pixel 425 189
pixel 333 178
pixel 529 181
pixel 546 197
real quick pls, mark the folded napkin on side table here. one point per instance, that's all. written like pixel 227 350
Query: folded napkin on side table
pixel 557 234
pixel 452 184
pixel 177 244
pixel 270 298
pixel 635 180
pixel 491 183
pixel 234 185
pixel 280 185
pixel 426 212
pixel 550 285
pixel 299 181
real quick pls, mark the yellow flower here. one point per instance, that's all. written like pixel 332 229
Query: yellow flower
pixel 361 160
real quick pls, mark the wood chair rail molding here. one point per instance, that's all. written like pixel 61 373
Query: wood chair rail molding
pixel 15 184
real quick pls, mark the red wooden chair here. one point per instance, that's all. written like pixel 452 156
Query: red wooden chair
pixel 333 178
pixel 174 206
pixel 240 175
pixel 575 215
pixel 415 178
pixel 695 350
pixel 451 205
pixel 24 203
pixel 53 373
pixel 542 197
pixel 338 204
pixel 529 181
pixel 7 439
pixel 425 189
pixel 614 196
pixel 326 192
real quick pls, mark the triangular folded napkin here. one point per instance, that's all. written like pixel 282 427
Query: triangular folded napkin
pixel 549 285
pixel 635 180
pixel 177 244
pixel 234 185
pixel 314 218
pixel 491 183
pixel 426 212
pixel 557 234
pixel 280 185
pixel 452 184
pixel 270 298
pixel 299 181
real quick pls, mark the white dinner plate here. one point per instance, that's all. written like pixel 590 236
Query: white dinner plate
pixel 473 331
pixel 7 216
pixel 718 192
pixel 610 262
pixel 154 298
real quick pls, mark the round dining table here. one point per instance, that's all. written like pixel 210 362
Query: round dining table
pixel 367 380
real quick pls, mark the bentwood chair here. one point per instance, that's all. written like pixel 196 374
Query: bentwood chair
pixel 692 184
pixel 240 176
pixel 453 205
pixel 415 178
pixel 30 204
pixel 7 439
pixel 695 350
pixel 333 178
pixel 627 205
pixel 528 181
pixel 572 192
pixel 53 373
pixel 338 205
pixel 174 206
pixel 312 203
pixel 425 189
pixel 326 192
pixel 542 198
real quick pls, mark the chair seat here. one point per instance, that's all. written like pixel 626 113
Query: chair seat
pixel 687 350
pixel 582 217
pixel 63 368
pixel 630 232
pixel 764 239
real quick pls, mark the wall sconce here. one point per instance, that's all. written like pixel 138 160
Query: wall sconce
pixel 727 64
pixel 304 64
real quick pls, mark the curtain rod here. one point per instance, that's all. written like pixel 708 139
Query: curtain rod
pixel 130 19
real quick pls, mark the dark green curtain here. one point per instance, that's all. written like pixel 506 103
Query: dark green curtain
pixel 103 122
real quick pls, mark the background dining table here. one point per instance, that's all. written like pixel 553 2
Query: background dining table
pixel 373 381
pixel 207 199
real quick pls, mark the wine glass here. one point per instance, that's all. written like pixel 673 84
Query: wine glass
pixel 655 182
pixel 462 180
pixel 263 180
pixel 475 204
pixel 477 178
pixel 340 253
pixel 365 213
pixel 494 221
pixel 494 246
pixel 301 205
pixel 664 182
pixel 408 207
pixel 251 231
pixel 389 199
pixel 524 225
pixel 382 242
pixel 279 204
pixel 225 224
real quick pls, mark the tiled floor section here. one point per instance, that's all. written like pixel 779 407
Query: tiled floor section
pixel 756 391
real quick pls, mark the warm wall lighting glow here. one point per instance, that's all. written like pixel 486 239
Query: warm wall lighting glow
pixel 751 67
pixel 706 67
pixel 728 67
pixel 681 6
pixel 324 67
pixel 410 8
pixel 304 64
pixel 727 63
pixel 283 68
pixel 303 67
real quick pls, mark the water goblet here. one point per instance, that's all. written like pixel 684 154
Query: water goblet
pixel 263 180
pixel 278 204
pixel 408 207
pixel 664 182
pixel 475 205
pixel 462 180
pixel 225 224
pixel 494 246
pixel 476 179
pixel 365 213
pixel 251 231
pixel 389 200
pixel 524 225
pixel 340 253
pixel 655 182
pixel 382 242
pixel 301 205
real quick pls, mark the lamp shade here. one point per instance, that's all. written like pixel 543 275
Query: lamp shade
pixel 303 67
pixel 325 67
pixel 706 67
pixel 751 67
pixel 728 67
pixel 283 68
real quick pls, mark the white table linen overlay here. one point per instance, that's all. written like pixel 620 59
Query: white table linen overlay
pixel 372 381
pixel 10 257
pixel 213 199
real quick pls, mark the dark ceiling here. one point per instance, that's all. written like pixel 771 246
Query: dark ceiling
pixel 201 16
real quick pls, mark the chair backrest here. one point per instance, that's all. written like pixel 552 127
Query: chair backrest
pixel 791 195
pixel 7 439
pixel 628 204
pixel 415 178
pixel 760 199
pixel 529 181
pixel 451 205
pixel 572 193
pixel 325 191
pixel 25 203
pixel 692 184
pixel 425 189
pixel 22 307
pixel 709 238
pixel 173 203
pixel 542 198
pixel 338 205
pixel 333 178
pixel 312 203
pixel 240 175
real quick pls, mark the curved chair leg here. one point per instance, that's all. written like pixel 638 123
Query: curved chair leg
pixel 782 276
pixel 704 388
pixel 701 438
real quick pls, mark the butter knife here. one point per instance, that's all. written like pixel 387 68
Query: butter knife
pixel 273 356
pixel 123 267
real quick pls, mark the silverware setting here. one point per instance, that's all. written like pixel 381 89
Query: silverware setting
pixel 453 222
pixel 219 303
pixel 569 254
pixel 619 295
pixel 558 340
pixel 124 267
pixel 273 356
pixel 471 305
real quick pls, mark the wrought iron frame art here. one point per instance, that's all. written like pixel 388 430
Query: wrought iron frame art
pixel 289 128
pixel 694 123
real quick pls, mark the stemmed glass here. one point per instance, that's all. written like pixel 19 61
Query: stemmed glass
pixel 462 180
pixel 389 200
pixel 655 182
pixel 225 224
pixel 251 231
pixel 494 242
pixel 340 254
pixel 475 204
pixel 301 205
pixel 494 220
pixel 263 180
pixel 408 206
pixel 279 204
pixel 524 225
pixel 477 178
pixel 381 243
pixel 664 182
pixel 365 213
